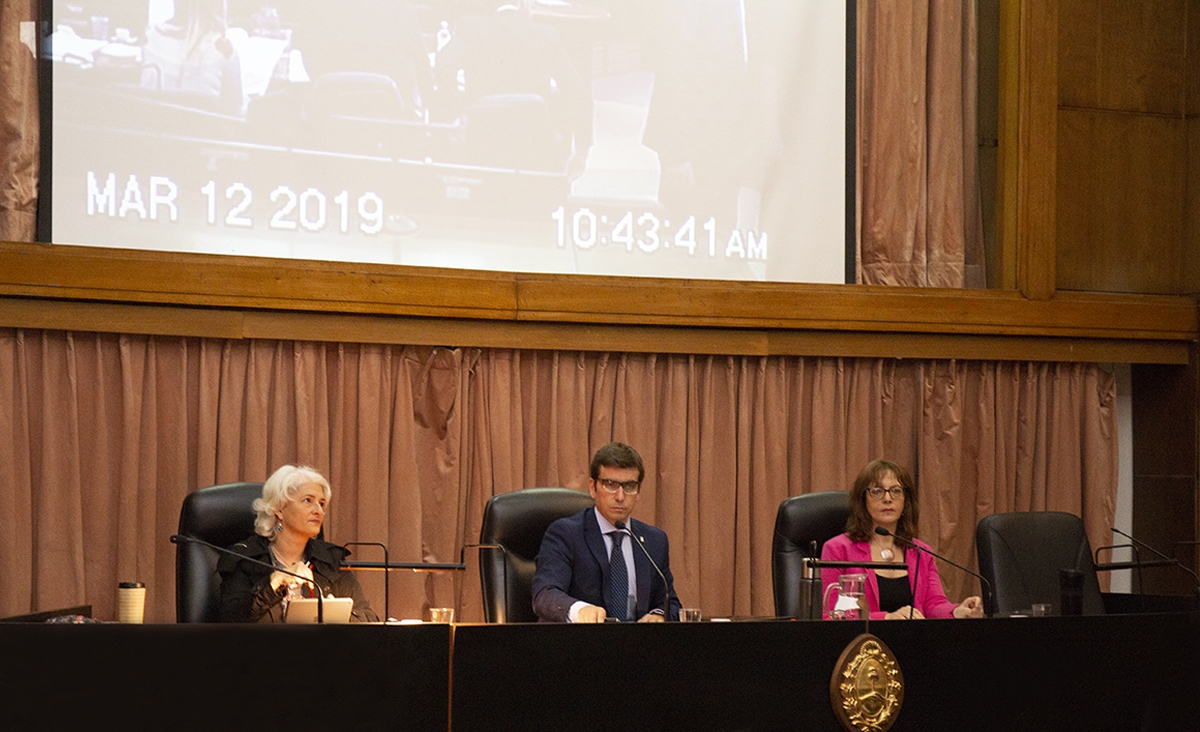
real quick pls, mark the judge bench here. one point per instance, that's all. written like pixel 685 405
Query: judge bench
pixel 1133 671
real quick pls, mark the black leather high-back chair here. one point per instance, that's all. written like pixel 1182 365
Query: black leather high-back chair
pixel 802 526
pixel 517 521
pixel 221 515
pixel 1021 553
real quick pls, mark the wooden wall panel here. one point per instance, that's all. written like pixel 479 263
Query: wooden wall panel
pixel 1191 248
pixel 1122 55
pixel 1126 220
pixel 1192 75
pixel 1008 128
pixel 1165 446
pixel 1121 188
pixel 1036 150
pixel 1192 226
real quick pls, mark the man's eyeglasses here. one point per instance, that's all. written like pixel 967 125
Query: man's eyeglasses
pixel 631 487
pixel 896 492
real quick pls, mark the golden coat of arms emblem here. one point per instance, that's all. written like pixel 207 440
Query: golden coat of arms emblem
pixel 867 687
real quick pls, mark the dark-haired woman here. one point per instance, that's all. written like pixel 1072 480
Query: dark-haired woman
pixel 884 495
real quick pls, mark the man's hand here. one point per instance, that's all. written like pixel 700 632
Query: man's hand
pixel 652 618
pixel 591 614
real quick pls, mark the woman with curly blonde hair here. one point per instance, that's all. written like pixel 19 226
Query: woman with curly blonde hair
pixel 288 520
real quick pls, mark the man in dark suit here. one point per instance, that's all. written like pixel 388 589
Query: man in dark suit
pixel 588 569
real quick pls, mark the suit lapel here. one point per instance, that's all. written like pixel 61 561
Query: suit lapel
pixel 595 543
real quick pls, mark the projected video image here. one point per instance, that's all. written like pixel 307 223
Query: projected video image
pixel 675 138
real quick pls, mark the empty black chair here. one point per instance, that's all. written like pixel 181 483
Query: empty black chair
pixel 221 515
pixel 802 526
pixel 1021 554
pixel 517 521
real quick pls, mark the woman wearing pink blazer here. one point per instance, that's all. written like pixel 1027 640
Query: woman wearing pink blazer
pixel 884 495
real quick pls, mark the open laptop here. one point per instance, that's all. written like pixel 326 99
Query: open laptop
pixel 304 610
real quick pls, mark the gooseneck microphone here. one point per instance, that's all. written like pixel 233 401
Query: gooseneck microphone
pixel 176 538
pixel 916 575
pixel 1176 562
pixel 666 585
pixel 987 586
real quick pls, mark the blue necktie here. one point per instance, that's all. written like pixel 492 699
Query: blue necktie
pixel 618 579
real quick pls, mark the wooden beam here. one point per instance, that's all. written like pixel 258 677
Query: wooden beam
pixel 407 330
pixel 247 284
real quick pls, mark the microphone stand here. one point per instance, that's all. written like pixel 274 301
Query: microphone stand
pixel 1173 560
pixel 462 553
pixel 386 566
pixel 387 594
pixel 987 586
pixel 1178 544
pixel 1175 548
pixel 176 538
pixel 916 576
pixel 819 564
pixel 1138 563
pixel 810 585
pixel 667 586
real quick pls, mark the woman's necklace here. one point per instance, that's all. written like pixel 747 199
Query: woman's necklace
pixel 279 561
pixel 885 553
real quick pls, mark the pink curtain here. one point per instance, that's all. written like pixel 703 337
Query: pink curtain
pixel 920 222
pixel 19 132
pixel 105 434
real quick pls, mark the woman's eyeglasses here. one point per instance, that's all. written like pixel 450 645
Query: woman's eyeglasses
pixel 896 492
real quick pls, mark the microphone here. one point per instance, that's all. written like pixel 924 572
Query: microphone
pixel 176 538
pixel 987 586
pixel 1164 556
pixel 666 585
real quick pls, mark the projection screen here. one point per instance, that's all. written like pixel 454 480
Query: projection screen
pixel 669 138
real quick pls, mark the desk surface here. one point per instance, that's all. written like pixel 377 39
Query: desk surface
pixel 1117 673
pixel 224 677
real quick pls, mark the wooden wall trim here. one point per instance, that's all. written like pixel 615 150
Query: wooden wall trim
pixel 33 313
pixel 191 283
pixel 94 273
pixel 852 308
